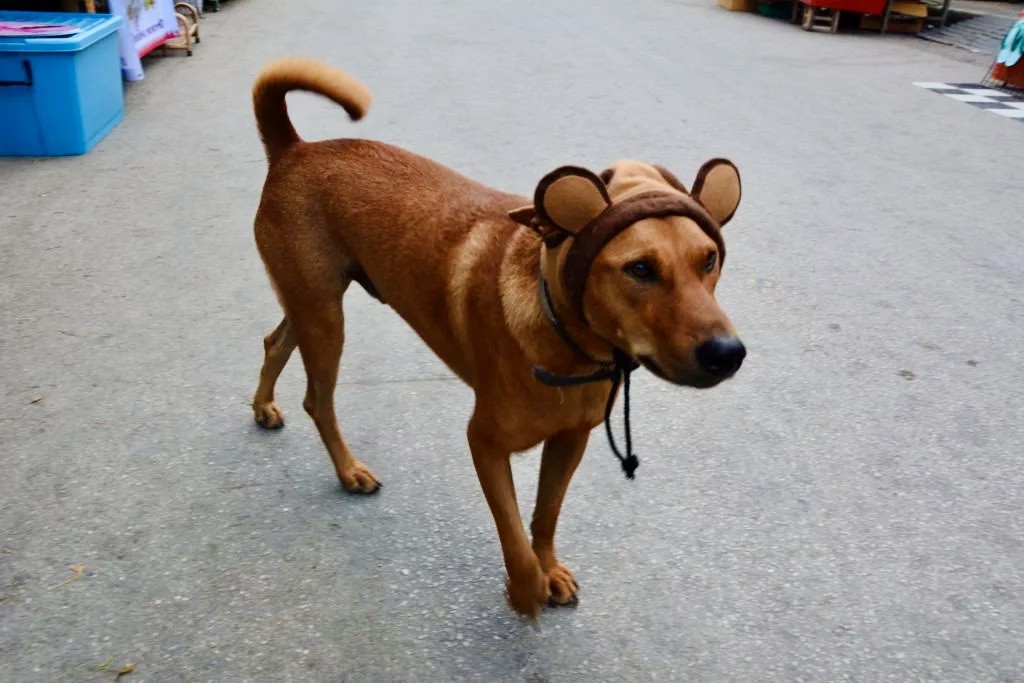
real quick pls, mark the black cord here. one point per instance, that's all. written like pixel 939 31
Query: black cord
pixel 619 376
pixel 629 461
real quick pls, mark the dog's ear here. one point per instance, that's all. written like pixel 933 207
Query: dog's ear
pixel 524 215
pixel 718 188
pixel 570 197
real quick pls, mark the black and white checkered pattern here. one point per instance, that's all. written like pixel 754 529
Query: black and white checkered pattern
pixel 1001 102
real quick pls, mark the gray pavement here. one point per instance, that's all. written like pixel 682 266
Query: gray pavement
pixel 849 508
pixel 982 33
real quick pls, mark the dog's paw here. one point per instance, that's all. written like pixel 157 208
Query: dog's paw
pixel 563 587
pixel 269 416
pixel 359 479
pixel 528 592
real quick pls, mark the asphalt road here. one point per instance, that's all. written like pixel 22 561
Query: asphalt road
pixel 848 508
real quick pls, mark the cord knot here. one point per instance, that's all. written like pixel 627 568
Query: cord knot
pixel 629 465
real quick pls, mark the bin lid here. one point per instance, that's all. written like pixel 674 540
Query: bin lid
pixel 75 31
pixel 29 29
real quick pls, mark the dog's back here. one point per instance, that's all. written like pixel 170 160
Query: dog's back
pixel 409 230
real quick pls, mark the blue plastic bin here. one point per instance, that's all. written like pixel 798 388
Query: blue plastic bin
pixel 60 96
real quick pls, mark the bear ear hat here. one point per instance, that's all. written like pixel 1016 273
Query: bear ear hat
pixel 718 189
pixel 567 199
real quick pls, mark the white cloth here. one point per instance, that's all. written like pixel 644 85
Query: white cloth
pixel 147 24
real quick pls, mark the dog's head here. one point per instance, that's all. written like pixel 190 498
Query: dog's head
pixel 637 257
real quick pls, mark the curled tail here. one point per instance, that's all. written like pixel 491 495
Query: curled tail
pixel 280 77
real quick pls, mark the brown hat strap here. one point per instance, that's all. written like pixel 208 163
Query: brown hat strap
pixel 599 232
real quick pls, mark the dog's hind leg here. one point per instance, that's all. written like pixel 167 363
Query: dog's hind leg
pixel 320 331
pixel 277 347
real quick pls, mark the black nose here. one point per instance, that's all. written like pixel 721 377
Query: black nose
pixel 721 356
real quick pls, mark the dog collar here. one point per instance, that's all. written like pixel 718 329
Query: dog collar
pixel 548 307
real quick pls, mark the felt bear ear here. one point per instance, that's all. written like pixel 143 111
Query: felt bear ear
pixel 569 198
pixel 718 188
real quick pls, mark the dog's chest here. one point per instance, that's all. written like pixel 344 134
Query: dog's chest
pixel 582 406
pixel 530 419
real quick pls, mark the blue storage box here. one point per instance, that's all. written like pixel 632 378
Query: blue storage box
pixel 59 95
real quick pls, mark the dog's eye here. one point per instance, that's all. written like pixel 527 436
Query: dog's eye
pixel 641 270
pixel 709 264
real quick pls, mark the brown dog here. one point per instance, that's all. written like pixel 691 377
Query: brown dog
pixel 594 273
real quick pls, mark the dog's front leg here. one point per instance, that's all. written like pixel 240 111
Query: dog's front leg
pixel 562 454
pixel 527 583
